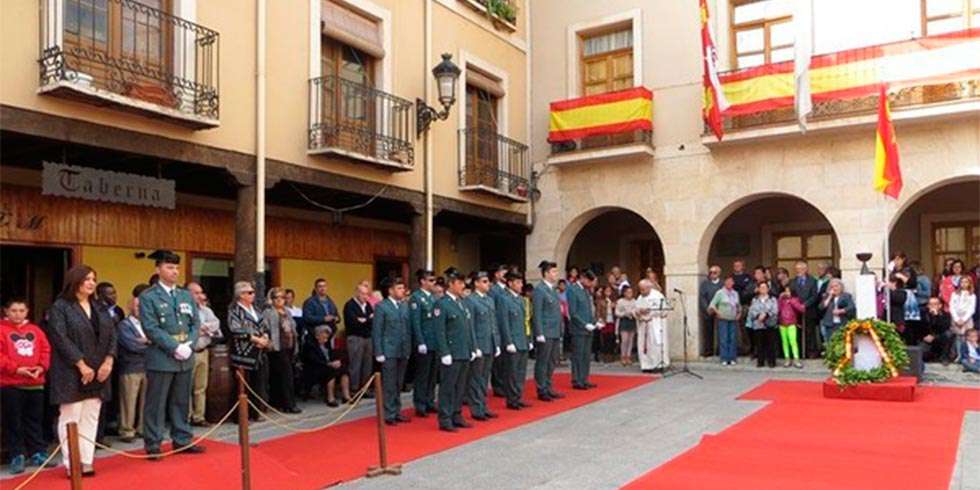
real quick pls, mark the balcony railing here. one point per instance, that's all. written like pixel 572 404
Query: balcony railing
pixel 493 163
pixel 919 95
pixel 130 54
pixel 361 122
pixel 602 142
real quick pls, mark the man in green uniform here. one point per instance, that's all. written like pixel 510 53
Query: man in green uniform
pixel 421 304
pixel 169 317
pixel 392 340
pixel 581 312
pixel 484 313
pixel 514 338
pixel 546 323
pixel 456 348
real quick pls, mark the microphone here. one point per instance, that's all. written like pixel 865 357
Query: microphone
pixel 678 291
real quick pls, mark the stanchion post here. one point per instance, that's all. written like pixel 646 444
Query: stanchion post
pixel 383 468
pixel 243 430
pixel 74 457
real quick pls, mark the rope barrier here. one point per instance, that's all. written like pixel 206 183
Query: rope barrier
pixel 285 425
pixel 39 469
pixel 193 443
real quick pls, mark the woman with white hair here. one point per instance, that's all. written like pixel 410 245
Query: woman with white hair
pixel 838 308
pixel 251 337
pixel 651 328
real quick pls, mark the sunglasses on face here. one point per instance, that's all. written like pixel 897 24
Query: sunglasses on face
pixel 248 292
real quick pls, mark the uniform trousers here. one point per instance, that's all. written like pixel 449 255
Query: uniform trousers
pixel 392 374
pixel 544 364
pixel 516 374
pixel 452 387
pixel 476 395
pixel 85 413
pixel 581 351
pixel 168 396
pixel 424 388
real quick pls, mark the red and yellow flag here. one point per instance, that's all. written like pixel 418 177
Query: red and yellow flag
pixel 608 113
pixel 714 98
pixel 888 173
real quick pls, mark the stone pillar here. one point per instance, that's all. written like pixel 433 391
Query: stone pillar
pixel 416 259
pixel 245 231
pixel 686 279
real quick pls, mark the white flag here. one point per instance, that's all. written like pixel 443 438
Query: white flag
pixel 803 51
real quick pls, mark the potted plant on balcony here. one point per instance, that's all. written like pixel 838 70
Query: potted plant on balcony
pixel 502 10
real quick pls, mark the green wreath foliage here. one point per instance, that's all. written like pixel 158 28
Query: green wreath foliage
pixel 891 340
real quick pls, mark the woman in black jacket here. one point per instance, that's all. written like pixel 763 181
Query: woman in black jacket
pixel 83 338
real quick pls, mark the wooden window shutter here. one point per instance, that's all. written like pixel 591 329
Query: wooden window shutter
pixel 484 81
pixel 352 28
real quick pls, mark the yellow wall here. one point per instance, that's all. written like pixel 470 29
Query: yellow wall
pixel 120 267
pixel 342 278
pixel 452 250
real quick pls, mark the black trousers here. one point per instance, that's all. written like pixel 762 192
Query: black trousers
pixel 392 374
pixel 708 336
pixel 424 388
pixel 22 413
pixel 766 346
pixel 811 334
pixel 581 348
pixel 258 379
pixel 452 388
pixel 544 364
pixel 498 377
pixel 281 380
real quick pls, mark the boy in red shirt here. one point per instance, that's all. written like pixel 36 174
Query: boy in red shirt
pixel 25 356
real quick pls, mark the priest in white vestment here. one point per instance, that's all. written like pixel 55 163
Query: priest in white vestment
pixel 651 328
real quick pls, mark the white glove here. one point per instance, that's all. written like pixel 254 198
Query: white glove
pixel 472 356
pixel 423 349
pixel 511 348
pixel 590 327
pixel 447 360
pixel 530 345
pixel 478 353
pixel 539 338
pixel 496 351
pixel 379 358
pixel 183 352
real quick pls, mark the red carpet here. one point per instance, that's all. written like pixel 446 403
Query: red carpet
pixel 805 441
pixel 340 453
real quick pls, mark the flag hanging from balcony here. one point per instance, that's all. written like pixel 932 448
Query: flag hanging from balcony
pixel 888 173
pixel 715 101
pixel 609 113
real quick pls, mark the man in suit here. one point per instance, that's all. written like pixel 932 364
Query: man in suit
pixel 498 373
pixel 581 312
pixel 421 304
pixel 456 348
pixel 805 288
pixel 514 339
pixel 706 292
pixel 392 338
pixel 484 312
pixel 169 317
pixel 546 323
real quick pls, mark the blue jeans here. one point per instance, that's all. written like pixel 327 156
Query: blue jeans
pixel 727 341
pixel 827 331
pixel 971 365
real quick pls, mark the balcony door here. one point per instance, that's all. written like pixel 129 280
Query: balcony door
pixel 482 152
pixel 125 47
pixel 348 101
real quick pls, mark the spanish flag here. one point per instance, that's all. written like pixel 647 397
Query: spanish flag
pixel 888 174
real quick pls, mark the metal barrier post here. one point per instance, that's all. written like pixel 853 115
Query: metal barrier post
pixel 383 468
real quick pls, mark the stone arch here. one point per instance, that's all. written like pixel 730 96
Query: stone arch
pixel 639 231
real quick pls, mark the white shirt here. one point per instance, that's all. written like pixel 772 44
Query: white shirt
pixel 962 305
pixel 137 325
pixel 481 294
pixel 393 301
pixel 251 311
pixel 550 285
pixel 168 289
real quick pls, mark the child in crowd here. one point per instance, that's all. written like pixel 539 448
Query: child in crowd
pixel 962 305
pixel 970 352
pixel 790 309
pixel 25 356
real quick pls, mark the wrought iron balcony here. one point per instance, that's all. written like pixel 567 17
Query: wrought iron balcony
pixel 130 55
pixel 493 163
pixel 360 122
pixel 908 97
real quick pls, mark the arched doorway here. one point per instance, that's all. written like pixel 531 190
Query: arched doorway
pixel 617 237
pixel 769 230
pixel 942 222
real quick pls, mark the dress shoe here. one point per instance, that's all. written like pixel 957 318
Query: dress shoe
pixel 579 387
pixel 293 410
pixel 127 439
pixel 448 428
pixel 421 413
pixel 481 418
pixel 88 470
pixel 105 442
pixel 491 415
pixel 499 394
pixel 590 385
pixel 514 406
pixel 200 423
pixel 332 403
pixel 546 398
pixel 556 395
pixel 391 422
pixel 402 418
pixel 462 424
pixel 346 400
pixel 154 454
pixel 189 449
pixel 524 404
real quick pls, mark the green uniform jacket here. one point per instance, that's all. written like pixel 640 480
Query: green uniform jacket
pixel 546 319
pixel 484 314
pixel 390 332
pixel 510 321
pixel 454 329
pixel 168 321
pixel 580 309
pixel 420 312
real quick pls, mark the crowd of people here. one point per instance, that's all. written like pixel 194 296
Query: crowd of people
pixel 143 371
pixel 771 312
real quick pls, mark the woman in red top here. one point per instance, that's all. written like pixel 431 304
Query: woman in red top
pixel 24 358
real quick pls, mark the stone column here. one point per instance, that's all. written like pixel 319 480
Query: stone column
pixel 686 278
pixel 416 259
pixel 245 230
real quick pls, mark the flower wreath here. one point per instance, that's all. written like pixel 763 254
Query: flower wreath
pixel 890 345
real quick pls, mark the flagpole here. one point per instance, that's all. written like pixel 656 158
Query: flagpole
pixel 886 259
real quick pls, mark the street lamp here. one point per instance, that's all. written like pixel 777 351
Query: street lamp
pixel 446 73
